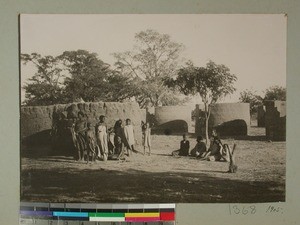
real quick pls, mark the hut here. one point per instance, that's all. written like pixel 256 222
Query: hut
pixel 173 119
pixel 229 119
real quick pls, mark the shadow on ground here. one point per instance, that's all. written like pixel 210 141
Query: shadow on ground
pixel 108 186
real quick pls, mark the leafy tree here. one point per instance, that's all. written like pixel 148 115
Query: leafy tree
pixel 87 73
pixel 211 83
pixel 91 79
pixel 120 88
pixel 155 57
pixel 249 96
pixel 45 87
pixel 74 75
pixel 275 93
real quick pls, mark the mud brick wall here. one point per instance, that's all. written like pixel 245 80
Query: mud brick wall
pixel 275 120
pixel 35 119
pixel 38 119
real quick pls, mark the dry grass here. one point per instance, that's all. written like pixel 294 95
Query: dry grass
pixel 161 177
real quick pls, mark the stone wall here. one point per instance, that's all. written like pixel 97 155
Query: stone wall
pixel 36 121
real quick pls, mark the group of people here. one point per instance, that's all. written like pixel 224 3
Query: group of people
pixel 216 151
pixel 98 142
pixel 103 143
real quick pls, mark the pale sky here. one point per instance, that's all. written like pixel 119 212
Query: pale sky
pixel 253 46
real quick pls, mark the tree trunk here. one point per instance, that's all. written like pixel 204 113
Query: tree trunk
pixel 206 121
pixel 206 129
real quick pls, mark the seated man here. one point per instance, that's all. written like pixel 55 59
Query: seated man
pixel 184 148
pixel 216 151
pixel 200 149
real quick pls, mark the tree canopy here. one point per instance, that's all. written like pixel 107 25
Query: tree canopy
pixel 275 93
pixel 45 87
pixel 93 80
pixel 212 83
pixel 251 97
pixel 138 75
pixel 272 93
pixel 74 75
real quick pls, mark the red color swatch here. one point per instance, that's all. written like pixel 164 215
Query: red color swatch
pixel 167 216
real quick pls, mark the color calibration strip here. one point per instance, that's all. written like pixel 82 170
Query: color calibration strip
pixel 136 213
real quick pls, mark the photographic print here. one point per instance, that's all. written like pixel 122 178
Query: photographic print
pixel 150 108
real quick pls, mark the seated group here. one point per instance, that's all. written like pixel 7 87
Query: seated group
pixel 215 152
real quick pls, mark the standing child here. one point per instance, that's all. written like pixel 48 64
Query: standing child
pixel 102 137
pixel 111 142
pixel 80 129
pixel 129 135
pixel 119 149
pixel 91 143
pixel 118 129
pixel 146 137
pixel 70 130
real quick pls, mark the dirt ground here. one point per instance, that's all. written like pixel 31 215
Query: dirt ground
pixel 160 177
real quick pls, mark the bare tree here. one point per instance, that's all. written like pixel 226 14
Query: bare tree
pixel 154 57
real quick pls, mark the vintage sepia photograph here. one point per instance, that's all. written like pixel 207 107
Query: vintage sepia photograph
pixel 153 108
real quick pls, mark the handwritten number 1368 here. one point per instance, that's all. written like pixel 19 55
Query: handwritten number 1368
pixel 244 210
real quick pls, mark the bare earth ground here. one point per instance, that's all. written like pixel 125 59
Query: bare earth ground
pixel 161 177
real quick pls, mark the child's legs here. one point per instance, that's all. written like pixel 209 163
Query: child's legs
pixel 175 153
pixel 128 149
pixel 88 152
pixel 92 149
pixel 132 148
pixel 121 154
pixel 83 151
pixel 94 156
pixel 206 154
pixel 79 154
